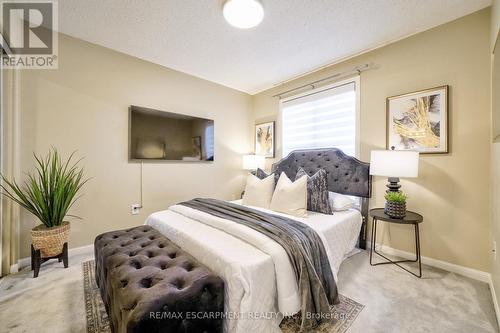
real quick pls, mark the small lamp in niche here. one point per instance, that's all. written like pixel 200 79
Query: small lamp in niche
pixel 394 164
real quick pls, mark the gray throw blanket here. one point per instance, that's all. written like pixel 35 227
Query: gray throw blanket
pixel 302 244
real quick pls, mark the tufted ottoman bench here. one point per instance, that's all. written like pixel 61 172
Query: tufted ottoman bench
pixel 148 284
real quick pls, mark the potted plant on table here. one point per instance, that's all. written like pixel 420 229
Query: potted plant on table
pixel 48 193
pixel 395 205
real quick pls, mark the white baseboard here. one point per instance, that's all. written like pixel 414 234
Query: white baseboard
pixel 14 268
pixel 460 270
pixel 494 298
pixel 26 262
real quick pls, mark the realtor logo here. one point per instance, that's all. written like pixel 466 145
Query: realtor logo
pixel 29 31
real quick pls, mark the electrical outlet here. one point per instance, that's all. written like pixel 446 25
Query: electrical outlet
pixel 136 209
pixel 494 250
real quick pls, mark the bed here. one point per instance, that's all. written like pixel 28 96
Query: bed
pixel 260 284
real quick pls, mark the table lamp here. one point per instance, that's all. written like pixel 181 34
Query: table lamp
pixel 253 162
pixel 394 164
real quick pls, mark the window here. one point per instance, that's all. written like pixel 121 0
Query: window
pixel 322 118
pixel 209 142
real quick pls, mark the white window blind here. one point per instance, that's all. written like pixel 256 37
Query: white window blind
pixel 322 119
pixel 209 141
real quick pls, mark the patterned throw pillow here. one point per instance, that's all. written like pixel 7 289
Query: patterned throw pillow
pixel 261 174
pixel 317 191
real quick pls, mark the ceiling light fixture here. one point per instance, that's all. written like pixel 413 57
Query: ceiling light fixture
pixel 243 14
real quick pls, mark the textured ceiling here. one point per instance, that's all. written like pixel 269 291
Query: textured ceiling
pixel 296 35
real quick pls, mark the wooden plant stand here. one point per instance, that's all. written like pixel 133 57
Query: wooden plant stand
pixel 37 260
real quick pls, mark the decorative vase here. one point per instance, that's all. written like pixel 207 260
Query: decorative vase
pixel 396 210
pixel 50 241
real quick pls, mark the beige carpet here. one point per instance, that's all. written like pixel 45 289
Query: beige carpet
pixel 395 301
pixel 97 321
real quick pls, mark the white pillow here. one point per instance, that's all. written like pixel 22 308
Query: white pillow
pixel 339 202
pixel 290 197
pixel 258 192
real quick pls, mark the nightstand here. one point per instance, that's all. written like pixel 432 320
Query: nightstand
pixel 411 218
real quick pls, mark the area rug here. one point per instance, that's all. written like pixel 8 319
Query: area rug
pixel 97 320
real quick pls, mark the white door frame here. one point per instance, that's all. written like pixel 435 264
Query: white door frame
pixel 1 155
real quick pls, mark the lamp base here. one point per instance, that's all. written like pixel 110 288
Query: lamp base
pixel 393 184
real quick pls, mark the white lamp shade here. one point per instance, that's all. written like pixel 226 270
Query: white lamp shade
pixel 252 162
pixel 394 163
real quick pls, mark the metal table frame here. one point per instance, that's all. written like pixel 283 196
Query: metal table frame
pixel 396 262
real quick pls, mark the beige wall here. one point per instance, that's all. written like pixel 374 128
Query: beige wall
pixel 84 106
pixel 452 191
pixel 495 36
pixel 495 23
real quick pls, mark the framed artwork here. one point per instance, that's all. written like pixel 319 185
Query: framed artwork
pixel 418 121
pixel 264 139
pixel 196 147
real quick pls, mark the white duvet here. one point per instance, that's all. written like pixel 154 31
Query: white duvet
pixel 260 284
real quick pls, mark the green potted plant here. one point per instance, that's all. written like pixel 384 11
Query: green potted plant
pixel 395 205
pixel 48 193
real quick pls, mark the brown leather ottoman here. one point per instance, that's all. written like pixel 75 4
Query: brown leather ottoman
pixel 148 284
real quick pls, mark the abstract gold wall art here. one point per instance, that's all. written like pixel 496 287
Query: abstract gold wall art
pixel 419 121
pixel 264 139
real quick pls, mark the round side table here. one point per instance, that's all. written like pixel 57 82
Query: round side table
pixel 411 218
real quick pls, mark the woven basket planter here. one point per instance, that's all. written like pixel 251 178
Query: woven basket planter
pixel 50 241
pixel 396 210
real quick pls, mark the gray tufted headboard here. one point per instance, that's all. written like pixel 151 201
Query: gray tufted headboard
pixel 346 175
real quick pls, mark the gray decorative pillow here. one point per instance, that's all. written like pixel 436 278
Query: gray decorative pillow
pixel 317 191
pixel 261 174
